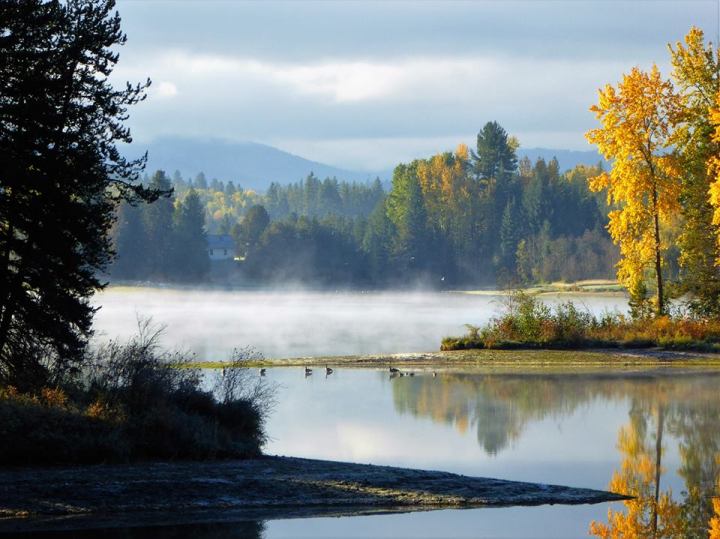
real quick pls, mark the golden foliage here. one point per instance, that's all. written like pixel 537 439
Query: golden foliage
pixel 644 182
pixel 714 165
pixel 446 186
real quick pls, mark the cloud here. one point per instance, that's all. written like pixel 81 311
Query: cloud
pixel 367 115
pixel 364 85
pixel 165 90
pixel 302 31
pixel 427 79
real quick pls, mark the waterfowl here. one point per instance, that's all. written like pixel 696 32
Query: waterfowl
pixel 328 370
pixel 393 370
pixel 262 371
pixel 308 371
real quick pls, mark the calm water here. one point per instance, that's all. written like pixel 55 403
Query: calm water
pixel 586 428
pixel 582 428
pixel 295 324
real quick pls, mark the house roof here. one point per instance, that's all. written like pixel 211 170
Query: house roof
pixel 220 241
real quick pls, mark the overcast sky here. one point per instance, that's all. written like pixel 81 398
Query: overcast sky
pixel 364 85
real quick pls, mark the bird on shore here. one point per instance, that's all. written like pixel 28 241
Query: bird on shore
pixel 262 371
pixel 434 374
pixel 328 371
pixel 308 371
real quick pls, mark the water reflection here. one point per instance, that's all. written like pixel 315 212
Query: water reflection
pixel 664 407
pixel 655 512
pixel 653 433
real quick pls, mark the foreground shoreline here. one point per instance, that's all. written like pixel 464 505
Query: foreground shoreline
pixel 170 493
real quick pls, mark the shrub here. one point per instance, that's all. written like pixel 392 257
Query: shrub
pixel 134 402
pixel 528 323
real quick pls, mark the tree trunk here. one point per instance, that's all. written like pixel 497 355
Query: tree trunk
pixel 658 261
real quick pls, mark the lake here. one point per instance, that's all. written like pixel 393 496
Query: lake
pixel 282 324
pixel 636 428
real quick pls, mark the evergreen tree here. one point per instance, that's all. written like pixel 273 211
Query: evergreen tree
pixel 406 210
pixel 376 241
pixel 158 222
pixel 495 156
pixel 510 235
pixel 62 177
pixel 191 259
pixel 248 232
pixel 200 181
pixel 130 244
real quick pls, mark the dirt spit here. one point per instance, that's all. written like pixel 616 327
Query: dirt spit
pixel 264 488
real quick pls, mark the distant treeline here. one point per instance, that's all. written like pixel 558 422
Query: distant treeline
pixel 464 217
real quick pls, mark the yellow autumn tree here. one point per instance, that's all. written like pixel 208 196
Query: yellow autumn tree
pixel 696 75
pixel 643 185
pixel 714 167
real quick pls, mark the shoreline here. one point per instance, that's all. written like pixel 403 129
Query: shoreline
pixel 169 493
pixel 484 358
pixel 590 287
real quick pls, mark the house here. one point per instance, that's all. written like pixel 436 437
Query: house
pixel 221 246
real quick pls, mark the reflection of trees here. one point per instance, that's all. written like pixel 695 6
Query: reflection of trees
pixel 497 406
pixel 678 406
pixel 691 416
pixel 652 513
pixel 715 520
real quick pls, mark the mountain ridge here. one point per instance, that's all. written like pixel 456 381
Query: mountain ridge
pixel 253 165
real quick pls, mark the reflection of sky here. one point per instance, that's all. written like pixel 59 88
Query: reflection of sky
pixel 546 522
pixel 293 324
pixel 351 416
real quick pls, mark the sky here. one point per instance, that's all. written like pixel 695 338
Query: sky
pixel 365 85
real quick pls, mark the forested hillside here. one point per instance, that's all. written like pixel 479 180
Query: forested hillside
pixel 479 217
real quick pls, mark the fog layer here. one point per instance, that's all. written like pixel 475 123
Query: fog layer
pixel 294 324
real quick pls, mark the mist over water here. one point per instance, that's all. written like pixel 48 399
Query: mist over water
pixel 283 324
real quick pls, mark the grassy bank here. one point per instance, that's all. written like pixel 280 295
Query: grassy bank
pixel 528 323
pixel 589 286
pixel 130 403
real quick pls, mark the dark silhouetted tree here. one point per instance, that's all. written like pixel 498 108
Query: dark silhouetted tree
pixel 61 177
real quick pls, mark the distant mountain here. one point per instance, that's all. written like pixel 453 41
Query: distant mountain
pixel 255 166
pixel 567 158
pixel 248 164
